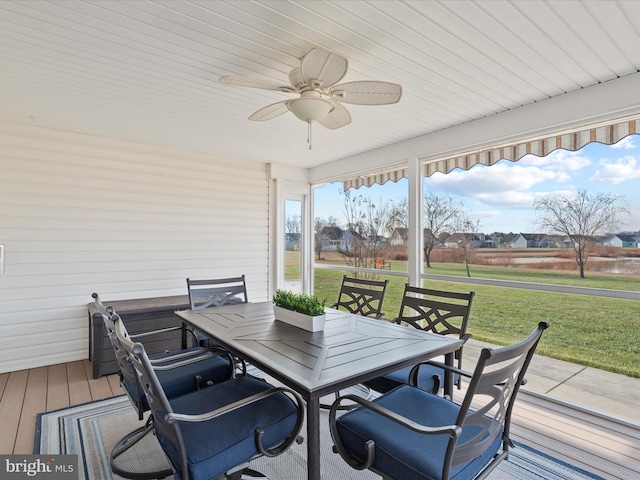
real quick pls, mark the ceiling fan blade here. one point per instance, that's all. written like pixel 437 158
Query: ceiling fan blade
pixel 255 83
pixel 366 93
pixel 270 111
pixel 338 117
pixel 322 66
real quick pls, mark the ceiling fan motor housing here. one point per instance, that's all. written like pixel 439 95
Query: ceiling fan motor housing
pixel 296 80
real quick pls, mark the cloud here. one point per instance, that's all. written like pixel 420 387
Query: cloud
pixel 616 171
pixel 626 143
pixel 497 179
pixel 558 160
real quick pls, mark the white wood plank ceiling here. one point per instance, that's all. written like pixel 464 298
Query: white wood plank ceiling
pixel 147 71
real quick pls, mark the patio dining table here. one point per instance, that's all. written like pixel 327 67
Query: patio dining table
pixel 350 350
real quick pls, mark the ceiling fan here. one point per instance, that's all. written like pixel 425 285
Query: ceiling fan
pixel 320 98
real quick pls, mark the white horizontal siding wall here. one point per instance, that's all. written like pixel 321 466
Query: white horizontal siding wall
pixel 80 214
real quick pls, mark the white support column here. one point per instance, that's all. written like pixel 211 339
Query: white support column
pixel 415 237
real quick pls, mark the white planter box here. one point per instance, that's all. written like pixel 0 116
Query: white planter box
pixel 300 320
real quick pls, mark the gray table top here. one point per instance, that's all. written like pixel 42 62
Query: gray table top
pixel 350 350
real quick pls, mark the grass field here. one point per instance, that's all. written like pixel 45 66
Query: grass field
pixel 592 331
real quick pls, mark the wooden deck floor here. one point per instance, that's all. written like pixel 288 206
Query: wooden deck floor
pixel 596 443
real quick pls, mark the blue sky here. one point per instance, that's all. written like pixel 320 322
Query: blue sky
pixel 501 197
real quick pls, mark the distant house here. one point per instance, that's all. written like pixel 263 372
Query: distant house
pixel 399 237
pixel 475 240
pixel 535 240
pixel 334 239
pixel 292 241
pixel 491 241
pixel 622 240
pixel 330 238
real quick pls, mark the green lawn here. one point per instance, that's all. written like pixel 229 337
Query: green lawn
pixel 592 331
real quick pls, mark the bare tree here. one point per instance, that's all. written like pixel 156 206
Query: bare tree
pixel 318 226
pixel 365 224
pixel 580 217
pixel 440 215
pixel 292 224
pixel 468 230
pixel 397 216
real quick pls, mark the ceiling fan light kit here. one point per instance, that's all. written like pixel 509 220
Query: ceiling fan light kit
pixel 320 98
pixel 310 109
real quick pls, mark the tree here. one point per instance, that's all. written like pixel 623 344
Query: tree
pixel 440 216
pixel 292 224
pixel 318 226
pixel 467 229
pixel 397 216
pixel 365 224
pixel 580 217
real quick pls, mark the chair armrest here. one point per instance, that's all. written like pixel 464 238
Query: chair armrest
pixel 395 320
pixel 156 332
pixel 459 371
pixel 203 417
pixel 149 333
pixel 466 337
pixel 333 305
pixel 444 366
pixel 453 431
pixel 188 360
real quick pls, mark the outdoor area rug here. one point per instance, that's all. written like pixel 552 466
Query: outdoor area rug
pixel 91 430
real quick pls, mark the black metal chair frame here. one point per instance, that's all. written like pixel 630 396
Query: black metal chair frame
pixel 165 362
pixel 434 311
pixel 497 377
pixel 362 296
pixel 217 292
pixel 159 402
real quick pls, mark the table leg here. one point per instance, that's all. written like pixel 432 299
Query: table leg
pixel 448 376
pixel 313 439
pixel 183 335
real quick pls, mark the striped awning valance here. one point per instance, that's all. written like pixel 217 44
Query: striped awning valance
pixel 609 134
pixel 381 178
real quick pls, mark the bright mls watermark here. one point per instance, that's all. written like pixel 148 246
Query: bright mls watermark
pixel 51 467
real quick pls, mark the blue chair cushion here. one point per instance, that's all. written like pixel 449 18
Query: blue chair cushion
pixel 403 453
pixel 180 380
pixel 215 446
pixel 426 379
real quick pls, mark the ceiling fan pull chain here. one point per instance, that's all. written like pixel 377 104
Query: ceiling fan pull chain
pixel 309 135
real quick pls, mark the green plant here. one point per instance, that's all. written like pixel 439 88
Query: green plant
pixel 299 302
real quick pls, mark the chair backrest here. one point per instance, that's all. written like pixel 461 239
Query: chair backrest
pixel 362 296
pixel 128 378
pixel 446 313
pixel 216 292
pixel 485 413
pixel 156 398
pixel 102 309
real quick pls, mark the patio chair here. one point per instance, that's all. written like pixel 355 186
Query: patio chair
pixel 361 296
pixel 445 313
pixel 180 372
pixel 410 433
pixel 216 292
pixel 382 264
pixel 209 433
